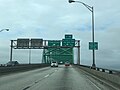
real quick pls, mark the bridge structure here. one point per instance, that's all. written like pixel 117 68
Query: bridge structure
pixel 53 50
pixel 73 77
pixel 61 51
pixel 43 77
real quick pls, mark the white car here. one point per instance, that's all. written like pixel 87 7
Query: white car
pixel 54 64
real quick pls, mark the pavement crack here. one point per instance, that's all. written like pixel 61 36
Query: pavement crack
pixel 36 82
pixel 26 87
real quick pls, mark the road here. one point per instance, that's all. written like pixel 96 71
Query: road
pixel 59 78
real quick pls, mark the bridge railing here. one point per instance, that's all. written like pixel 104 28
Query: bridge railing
pixel 110 71
pixel 20 68
pixel 106 76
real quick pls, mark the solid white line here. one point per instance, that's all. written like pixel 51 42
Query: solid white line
pixel 55 70
pixel 102 81
pixel 95 85
pixel 46 75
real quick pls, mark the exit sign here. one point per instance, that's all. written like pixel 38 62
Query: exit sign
pixel 93 46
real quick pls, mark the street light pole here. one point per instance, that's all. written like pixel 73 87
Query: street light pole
pixel 4 29
pixel 93 38
pixel 92 10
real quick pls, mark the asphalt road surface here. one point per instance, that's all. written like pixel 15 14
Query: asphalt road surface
pixel 58 78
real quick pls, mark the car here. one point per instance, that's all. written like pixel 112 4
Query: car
pixel 61 62
pixel 12 63
pixel 67 63
pixel 54 64
pixel 2 65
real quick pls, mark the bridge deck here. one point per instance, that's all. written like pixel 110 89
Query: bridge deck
pixel 61 78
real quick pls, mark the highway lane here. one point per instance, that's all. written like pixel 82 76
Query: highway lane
pixel 61 78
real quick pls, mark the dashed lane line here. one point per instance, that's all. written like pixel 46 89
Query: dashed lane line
pixel 39 80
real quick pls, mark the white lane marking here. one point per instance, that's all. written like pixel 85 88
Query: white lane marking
pixel 55 70
pixel 106 83
pixel 50 74
pixel 46 75
pixel 39 80
pixel 94 85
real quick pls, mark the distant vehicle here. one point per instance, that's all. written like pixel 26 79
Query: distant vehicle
pixel 54 64
pixel 61 62
pixel 2 65
pixel 67 63
pixel 12 63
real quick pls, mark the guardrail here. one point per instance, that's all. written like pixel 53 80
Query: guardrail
pixel 103 70
pixel 111 76
pixel 20 67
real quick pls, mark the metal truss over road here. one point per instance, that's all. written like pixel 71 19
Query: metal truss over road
pixel 53 50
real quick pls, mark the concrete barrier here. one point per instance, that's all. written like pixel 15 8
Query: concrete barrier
pixel 112 78
pixel 21 67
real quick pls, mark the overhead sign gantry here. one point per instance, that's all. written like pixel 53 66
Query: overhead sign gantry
pixel 58 50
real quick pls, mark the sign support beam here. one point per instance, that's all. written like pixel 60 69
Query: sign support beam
pixel 78 53
pixel 60 50
pixel 11 50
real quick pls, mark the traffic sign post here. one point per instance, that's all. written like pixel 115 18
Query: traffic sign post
pixel 93 46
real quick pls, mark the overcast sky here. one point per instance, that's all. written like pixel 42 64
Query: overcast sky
pixel 52 19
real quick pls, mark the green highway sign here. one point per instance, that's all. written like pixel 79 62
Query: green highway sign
pixel 68 36
pixel 93 46
pixel 53 43
pixel 68 42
